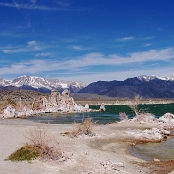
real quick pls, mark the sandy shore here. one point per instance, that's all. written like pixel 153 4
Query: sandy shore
pixel 97 154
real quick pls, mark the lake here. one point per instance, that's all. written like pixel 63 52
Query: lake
pixel 110 115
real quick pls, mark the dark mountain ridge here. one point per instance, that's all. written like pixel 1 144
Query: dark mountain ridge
pixel 145 86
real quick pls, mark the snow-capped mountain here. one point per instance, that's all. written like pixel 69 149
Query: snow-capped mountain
pixel 153 77
pixel 41 84
pixel 146 86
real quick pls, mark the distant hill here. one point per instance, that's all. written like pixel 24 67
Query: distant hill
pixel 15 94
pixel 146 86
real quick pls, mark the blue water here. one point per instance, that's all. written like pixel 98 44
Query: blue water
pixel 98 117
pixel 111 115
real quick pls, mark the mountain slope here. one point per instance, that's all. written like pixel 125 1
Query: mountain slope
pixel 40 84
pixel 146 86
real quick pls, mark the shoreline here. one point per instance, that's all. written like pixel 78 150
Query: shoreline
pixel 86 154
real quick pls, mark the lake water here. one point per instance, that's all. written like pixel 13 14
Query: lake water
pixel 111 114
pixel 149 151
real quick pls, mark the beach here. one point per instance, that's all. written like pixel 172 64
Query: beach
pixel 105 152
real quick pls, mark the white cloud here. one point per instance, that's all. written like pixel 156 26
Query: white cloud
pixel 125 39
pixel 80 48
pixel 147 45
pixel 30 6
pixel 44 54
pixel 31 43
pixel 118 75
pixel 78 67
pixel 31 46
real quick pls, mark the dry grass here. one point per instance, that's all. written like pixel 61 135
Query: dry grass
pixel 84 128
pixel 47 145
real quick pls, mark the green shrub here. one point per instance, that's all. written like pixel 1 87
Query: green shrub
pixel 24 153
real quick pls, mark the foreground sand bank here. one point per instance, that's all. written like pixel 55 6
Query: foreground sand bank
pixel 86 154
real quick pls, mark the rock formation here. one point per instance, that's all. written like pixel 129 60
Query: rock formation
pixel 56 102
pixel 102 108
pixel 161 127
pixel 9 111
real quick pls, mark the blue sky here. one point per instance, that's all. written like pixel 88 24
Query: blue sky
pixel 86 40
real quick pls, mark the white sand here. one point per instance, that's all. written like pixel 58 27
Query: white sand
pixel 85 153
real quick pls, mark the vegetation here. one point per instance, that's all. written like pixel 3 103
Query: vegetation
pixel 42 145
pixel 84 128
pixel 11 102
pixel 8 101
pixel 134 104
pixel 24 153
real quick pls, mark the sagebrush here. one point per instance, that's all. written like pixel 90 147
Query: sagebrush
pixel 84 128
pixel 41 145
pixel 46 144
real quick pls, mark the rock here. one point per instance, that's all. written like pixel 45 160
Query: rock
pixel 102 108
pixel 156 160
pixel 167 118
pixel 115 166
pixel 165 132
pixel 9 111
pixel 152 135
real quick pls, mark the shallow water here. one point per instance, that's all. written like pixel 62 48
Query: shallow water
pixel 99 118
pixel 149 151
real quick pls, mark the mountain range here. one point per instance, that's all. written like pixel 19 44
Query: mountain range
pixel 40 84
pixel 146 86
